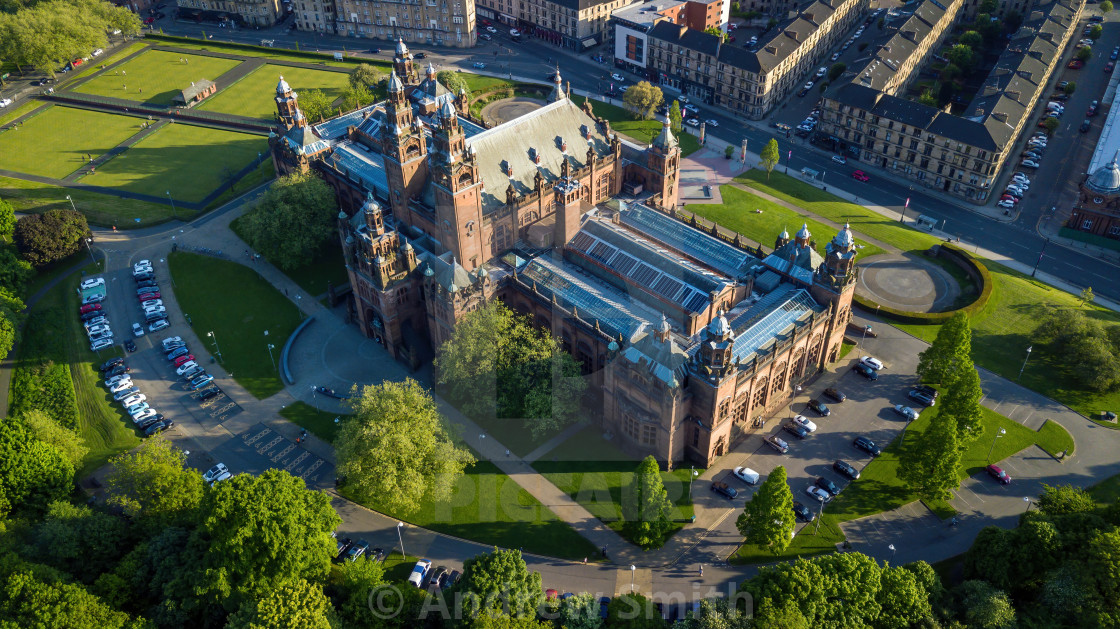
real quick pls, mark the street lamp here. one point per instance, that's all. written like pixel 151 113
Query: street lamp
pixel 1040 253
pixel 1024 363
pixel 892 549
pixel 270 348
pixel 796 392
pixel 632 569
pixel 87 241
pixel 1002 432
pixel 866 329
pixel 693 475
pixel 174 213
pixel 217 350
pixel 1029 501
pixel 71 203
pixel 902 213
pixel 400 525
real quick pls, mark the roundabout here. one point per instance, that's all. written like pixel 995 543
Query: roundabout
pixel 907 282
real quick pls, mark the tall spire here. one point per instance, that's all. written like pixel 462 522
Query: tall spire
pixel 665 140
pixel 395 84
pixel 431 71
pixel 401 48
pixel 558 89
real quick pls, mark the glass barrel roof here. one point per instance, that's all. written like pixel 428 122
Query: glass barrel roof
pixel 699 246
pixel 770 316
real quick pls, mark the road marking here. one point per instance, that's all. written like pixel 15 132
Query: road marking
pixel 314 466
pixel 279 455
pixel 270 445
pixel 251 440
pixel 1019 244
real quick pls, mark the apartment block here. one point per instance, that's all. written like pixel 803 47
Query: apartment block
pixel 630 26
pixel 961 155
pixel 574 24
pixel 750 83
pixel 438 22
pixel 893 60
pixel 264 13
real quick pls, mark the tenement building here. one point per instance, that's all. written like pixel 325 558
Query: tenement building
pixel 961 155
pixel 746 82
pixel 264 13
pixel 575 24
pixel 629 26
pixel 688 339
pixel 438 22
pixel 1097 210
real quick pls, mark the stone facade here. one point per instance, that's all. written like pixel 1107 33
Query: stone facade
pixel 575 24
pixel 436 22
pixel 263 13
pixel 1097 210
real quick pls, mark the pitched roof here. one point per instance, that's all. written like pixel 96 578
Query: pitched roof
pixel 194 89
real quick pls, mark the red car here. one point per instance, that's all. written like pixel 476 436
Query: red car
pixel 1109 66
pixel 1076 64
pixel 90 308
pixel 147 296
pixel 995 472
pixel 859 175
pixel 183 359
pixel 149 20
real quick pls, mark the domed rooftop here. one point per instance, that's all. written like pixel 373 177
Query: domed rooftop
pixel 784 235
pixel 803 233
pixel 844 238
pixel 282 87
pixel 401 48
pixel 719 326
pixel 1106 179
pixel 370 205
pixel 395 84
pixel 665 139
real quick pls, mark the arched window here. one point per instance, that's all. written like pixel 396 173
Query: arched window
pixel 798 363
pixel 464 180
pixel 815 350
pixel 779 378
pixel 760 392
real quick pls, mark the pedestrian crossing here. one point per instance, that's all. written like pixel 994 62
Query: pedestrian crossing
pixel 283 453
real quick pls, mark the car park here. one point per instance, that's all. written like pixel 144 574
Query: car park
pixel 907 412
pixel 135 399
pixel 418 571
pixel 795 430
pixel 805 423
pixel 778 444
pixel 872 362
pixel 865 371
pixel 725 490
pixel 835 394
pixel 158 427
pixel 747 475
pixel 997 473
pixel 801 512
pixel 185 367
pixel 845 469
pixel 828 486
pixel 818 494
pixel 859 175
pixel 867 445
pixel 921 397
pixel 818 407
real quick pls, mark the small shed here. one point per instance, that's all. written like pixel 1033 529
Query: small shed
pixel 197 91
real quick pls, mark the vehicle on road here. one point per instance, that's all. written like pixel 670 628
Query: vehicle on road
pixel 617 77
pixel 997 473
pixel 805 423
pixel 859 175
pixel 872 362
pixel 818 407
pixel 818 494
pixel 867 445
pixel 834 394
pixel 725 490
pixel 778 444
pixel 4 102
pixel 839 159
pixel 418 571
pixel 747 475
pixel 712 122
pixel 479 65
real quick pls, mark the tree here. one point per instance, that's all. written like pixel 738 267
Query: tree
pixel 1105 6
pixel 80 541
pixel 633 611
pixel 715 613
pixel 904 601
pixel 293 221
pixel 49 34
pixel 769 156
pixel 927 98
pixel 27 601
pixel 1051 125
pixel 1095 32
pixel 68 442
pixel 1064 499
pixel 315 105
pixel 648 510
pixel 988 6
pixel 353 582
pixel 11 321
pixel 949 349
pixel 929 463
pixel 676 123
pixel 498 621
pixel 643 99
pixel 499 582
pixel 15 272
pixel 497 365
pixel 714 30
pixel 453 81
pixel 153 485
pixel 295 605
pixel 961 56
pixel 364 75
pixel 357 96
pixel 985 607
pixel 1070 88
pixel 1084 54
pixel 948 73
pixel 580 612
pixel 51 236
pixel 7 218
pixel 836 69
pixel 397 449
pixel 1086 296
pixel 767 518
pixel 829 591
pixel 961 404
pixel 972 39
pixel 33 474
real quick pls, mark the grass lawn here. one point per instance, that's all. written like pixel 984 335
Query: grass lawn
pixel 254 96
pixel 263 173
pixel 596 474
pixel 641 130
pixel 879 488
pixel 487 507
pixel 238 305
pixel 11 113
pixel 277 54
pixel 96 64
pixel 157 76
pixel 737 213
pixel 189 161
pixel 55 371
pixel 99 209
pixel 55 142
pixel 317 422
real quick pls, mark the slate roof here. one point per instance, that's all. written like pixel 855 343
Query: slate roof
pixel 302 140
pixel 665 360
pixel 514 144
pixel 447 272
pixel 891 50
pixel 189 93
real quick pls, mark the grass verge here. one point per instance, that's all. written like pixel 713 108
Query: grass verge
pixel 317 422
pixel 642 131
pixel 237 305
pixel 99 209
pixel 312 277
pixel 55 372
pixel 488 507
pixel 56 142
pixel 157 76
pixel 596 474
pixel 254 95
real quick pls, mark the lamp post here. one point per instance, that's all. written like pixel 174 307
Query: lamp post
pixel 1029 501
pixel 1024 363
pixel 270 348
pixel 902 214
pixel 1002 432
pixel 866 329
pixel 692 475
pixel 400 537
pixel 71 203
pixel 632 569
pixel 87 241
pixel 174 213
pixel 892 549
pixel 217 350
pixel 796 392
pixel 1040 254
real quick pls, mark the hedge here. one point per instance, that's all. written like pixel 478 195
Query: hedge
pixel 41 379
pixel 975 269
pixel 307 54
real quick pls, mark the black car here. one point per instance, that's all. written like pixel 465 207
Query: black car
pixel 439 573
pixel 928 390
pixel 374 51
pixel 357 550
pixel 921 396
pixel 724 490
pixel 818 407
pixel 158 427
pixel 116 371
pixel 328 392
pixel 835 394
pixel 341 545
pixel 376 555
pixel 112 362
pixel 419 55
pixel 93 314
pixel 604 605
pixel 844 468
pixel 1085 126
pixel 865 371
pixel 206 394
pixel 451 579
pixel 147 284
pixel 795 430
pixel 129 346
pixel 828 486
pixel 867 445
pixel 145 424
pixel 802 512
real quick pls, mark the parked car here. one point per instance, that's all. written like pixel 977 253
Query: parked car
pixel 92 282
pixel 801 512
pixel 795 430
pixel 921 397
pixel 747 475
pixel 177 352
pixel 158 325
pixel 818 407
pixel 1085 126
pixel 859 175
pixel 835 394
pixel 122 385
pixel 828 486
pixel 845 469
pixel 1076 64
pixel 725 490
pixel 865 371
pixel 109 364
pixel 1027 163
pixel 872 362
pixel 215 472
pixel 356 550
pixel 418 571
pixel 136 409
pixel 997 473
pixel 146 419
pixel 129 346
pixel 135 399
pixel 89 308
pixel 818 494
pixel 839 159
pixel 100 344
pixel 928 390
pixel 867 445
pixel 907 412
pixel 776 443
pixel 158 427
pixel 126 393
pixel 340 546
pixel 201 381
pixel 116 371
pixel 206 394
pixel 185 367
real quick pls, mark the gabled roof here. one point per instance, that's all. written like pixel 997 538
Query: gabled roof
pixel 665 360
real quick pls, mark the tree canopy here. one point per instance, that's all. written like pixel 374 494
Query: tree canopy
pixel 643 99
pixel 769 156
pixel 66 441
pixel 51 236
pixel 767 518
pixel 294 605
pixel 153 485
pixel 315 105
pixel 293 221
pixel 453 81
pixel 33 474
pixel 365 75
pixel 397 448
pixel 28 601
pixel 48 35
pixel 929 462
pixel 633 611
pixel 953 343
pixel 647 506
pixel 675 118
pixel 500 583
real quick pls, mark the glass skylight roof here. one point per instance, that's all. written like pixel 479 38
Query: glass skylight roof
pixel 700 246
